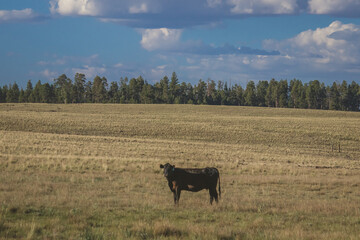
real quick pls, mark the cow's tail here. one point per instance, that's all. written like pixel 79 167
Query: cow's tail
pixel 219 185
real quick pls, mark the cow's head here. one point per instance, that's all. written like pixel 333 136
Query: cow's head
pixel 169 170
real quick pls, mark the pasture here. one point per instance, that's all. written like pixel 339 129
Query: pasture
pixel 92 171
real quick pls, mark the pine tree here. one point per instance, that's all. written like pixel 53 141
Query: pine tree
pixel 3 94
pixel 182 93
pixel 211 92
pixel 232 99
pixel 36 92
pixel 46 93
pixel 344 96
pixel 190 94
pixel 220 93
pixel 200 92
pixel 79 88
pixel 271 94
pixel 135 88
pixel 324 104
pixel 296 94
pixel 147 94
pixel 315 95
pixel 124 90
pixel 282 93
pixel 99 90
pixel 249 95
pixel 28 92
pixel 261 88
pixel 354 96
pixel 21 96
pixel 334 97
pixel 173 88
pixel 63 89
pixel 13 94
pixel 88 92
pixel 239 93
pixel 158 93
pixel 164 83
pixel 114 95
pixel 223 93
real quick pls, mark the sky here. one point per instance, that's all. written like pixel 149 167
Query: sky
pixel 230 40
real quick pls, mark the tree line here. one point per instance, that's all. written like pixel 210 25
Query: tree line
pixel 273 93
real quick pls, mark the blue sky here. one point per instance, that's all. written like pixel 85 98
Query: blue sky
pixel 229 40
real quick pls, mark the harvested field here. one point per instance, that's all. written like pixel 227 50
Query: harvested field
pixel 89 171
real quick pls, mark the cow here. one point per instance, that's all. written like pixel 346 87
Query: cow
pixel 192 179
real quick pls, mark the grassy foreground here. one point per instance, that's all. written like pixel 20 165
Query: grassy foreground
pixel 92 172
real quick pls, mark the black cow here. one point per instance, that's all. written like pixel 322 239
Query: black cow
pixel 192 179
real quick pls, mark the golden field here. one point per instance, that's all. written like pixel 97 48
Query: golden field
pixel 91 171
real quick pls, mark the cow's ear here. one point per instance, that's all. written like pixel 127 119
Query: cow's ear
pixel 161 166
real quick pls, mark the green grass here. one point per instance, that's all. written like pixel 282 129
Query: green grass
pixel 92 172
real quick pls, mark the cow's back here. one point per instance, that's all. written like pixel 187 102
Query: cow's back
pixel 196 178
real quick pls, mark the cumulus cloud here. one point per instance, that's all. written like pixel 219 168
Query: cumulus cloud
pixel 308 55
pixel 337 43
pixel 90 71
pixel 185 13
pixel 263 6
pixel 18 15
pixel 162 22
pixel 213 3
pixel 164 39
pixel 48 74
pixel 142 8
pixel 345 8
pixel 317 52
pixel 103 8
pixel 171 14
pixel 70 65
pixel 75 7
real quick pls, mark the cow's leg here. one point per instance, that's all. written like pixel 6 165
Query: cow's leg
pixel 174 197
pixel 178 192
pixel 216 195
pixel 213 194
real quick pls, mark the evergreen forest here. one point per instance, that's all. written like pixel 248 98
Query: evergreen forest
pixel 280 94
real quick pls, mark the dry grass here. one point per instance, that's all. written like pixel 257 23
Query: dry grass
pixel 92 172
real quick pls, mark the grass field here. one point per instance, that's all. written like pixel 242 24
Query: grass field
pixel 92 172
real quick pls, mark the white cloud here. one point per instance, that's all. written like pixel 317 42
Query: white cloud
pixel 153 14
pixel 328 54
pixel 75 7
pixel 17 15
pixel 347 8
pixel 118 65
pixel 103 8
pixel 56 62
pixel 263 6
pixel 158 72
pixel 89 71
pixel 142 8
pixel 335 44
pixel 48 74
pixel 162 38
pixel 214 3
pixel 171 14
pixel 310 53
